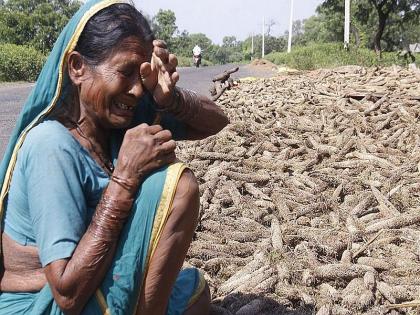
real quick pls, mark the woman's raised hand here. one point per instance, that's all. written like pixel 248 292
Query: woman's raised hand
pixel 160 76
pixel 144 149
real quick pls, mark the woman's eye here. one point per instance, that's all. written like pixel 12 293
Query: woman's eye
pixel 127 73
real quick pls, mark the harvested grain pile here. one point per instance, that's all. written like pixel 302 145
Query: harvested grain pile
pixel 262 62
pixel 311 196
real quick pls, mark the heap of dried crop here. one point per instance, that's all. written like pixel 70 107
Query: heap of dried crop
pixel 310 198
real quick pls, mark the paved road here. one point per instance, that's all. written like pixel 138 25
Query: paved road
pixel 13 95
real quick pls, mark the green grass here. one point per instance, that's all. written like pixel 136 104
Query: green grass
pixel 332 55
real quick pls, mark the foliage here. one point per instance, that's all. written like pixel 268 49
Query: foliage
pixel 184 61
pixel 399 19
pixel 188 62
pixel 181 45
pixel 19 63
pixel 164 25
pixel 328 55
pixel 271 44
pixel 201 40
pixel 35 22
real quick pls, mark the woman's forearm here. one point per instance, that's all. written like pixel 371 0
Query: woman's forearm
pixel 201 115
pixel 74 281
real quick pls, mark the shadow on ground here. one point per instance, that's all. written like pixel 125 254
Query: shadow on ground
pixel 254 304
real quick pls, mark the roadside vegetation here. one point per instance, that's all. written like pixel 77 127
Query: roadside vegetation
pixel 379 30
pixel 20 62
pixel 330 55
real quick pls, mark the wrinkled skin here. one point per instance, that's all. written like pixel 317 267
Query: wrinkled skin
pixel 122 79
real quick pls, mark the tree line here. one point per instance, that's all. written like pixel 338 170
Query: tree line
pixel 382 25
pixel 35 23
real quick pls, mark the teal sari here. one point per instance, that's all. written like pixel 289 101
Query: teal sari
pixel 119 291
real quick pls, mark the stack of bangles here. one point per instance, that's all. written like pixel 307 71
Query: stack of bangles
pixel 185 105
pixel 109 218
pixel 124 183
pixel 111 213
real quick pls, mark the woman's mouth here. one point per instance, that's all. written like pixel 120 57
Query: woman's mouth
pixel 125 106
pixel 123 110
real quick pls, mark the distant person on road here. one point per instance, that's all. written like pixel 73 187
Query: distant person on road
pixel 97 212
pixel 197 55
pixel 196 50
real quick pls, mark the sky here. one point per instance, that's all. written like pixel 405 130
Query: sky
pixel 239 18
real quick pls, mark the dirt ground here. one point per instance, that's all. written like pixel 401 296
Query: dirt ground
pixel 310 198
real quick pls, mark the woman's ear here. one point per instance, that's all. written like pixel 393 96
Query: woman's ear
pixel 77 67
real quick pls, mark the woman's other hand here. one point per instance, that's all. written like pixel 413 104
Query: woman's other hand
pixel 160 76
pixel 144 149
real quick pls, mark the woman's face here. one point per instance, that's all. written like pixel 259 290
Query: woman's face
pixel 112 89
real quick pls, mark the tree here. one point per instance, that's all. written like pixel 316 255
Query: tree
pixel 297 31
pixel 314 30
pixel 377 24
pixel 230 51
pixel 273 43
pixel 383 8
pixel 201 40
pixel 181 44
pixel 35 22
pixel 269 27
pixel 230 42
pixel 163 24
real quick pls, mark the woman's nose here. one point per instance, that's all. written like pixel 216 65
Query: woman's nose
pixel 137 88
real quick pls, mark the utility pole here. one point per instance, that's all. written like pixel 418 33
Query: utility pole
pixel 252 46
pixel 289 43
pixel 263 34
pixel 346 24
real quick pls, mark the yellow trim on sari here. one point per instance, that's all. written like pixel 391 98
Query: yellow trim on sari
pixel 173 175
pixel 102 302
pixel 199 291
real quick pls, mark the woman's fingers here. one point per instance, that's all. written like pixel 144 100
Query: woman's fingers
pixel 144 149
pixel 145 70
pixel 159 43
pixel 174 78
pixel 173 61
pixel 145 129
pixel 168 146
pixel 162 54
pixel 148 76
pixel 160 76
pixel 167 61
pixel 163 136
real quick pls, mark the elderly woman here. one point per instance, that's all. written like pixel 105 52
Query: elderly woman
pixel 97 212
